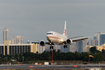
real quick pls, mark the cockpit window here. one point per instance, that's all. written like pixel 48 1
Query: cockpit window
pixel 49 33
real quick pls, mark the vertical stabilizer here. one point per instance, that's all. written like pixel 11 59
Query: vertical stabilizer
pixel 64 29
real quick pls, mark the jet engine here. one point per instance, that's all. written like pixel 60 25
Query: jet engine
pixel 42 43
pixel 68 41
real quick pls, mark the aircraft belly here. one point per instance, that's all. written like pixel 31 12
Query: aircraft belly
pixel 57 41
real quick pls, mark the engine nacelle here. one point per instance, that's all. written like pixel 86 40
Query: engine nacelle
pixel 68 41
pixel 42 43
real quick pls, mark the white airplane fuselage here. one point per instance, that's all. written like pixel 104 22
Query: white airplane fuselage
pixel 56 37
pixel 59 39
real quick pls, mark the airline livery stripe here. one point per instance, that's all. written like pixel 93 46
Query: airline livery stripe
pixel 53 37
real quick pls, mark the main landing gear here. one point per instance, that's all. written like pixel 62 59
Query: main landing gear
pixel 65 46
pixel 51 47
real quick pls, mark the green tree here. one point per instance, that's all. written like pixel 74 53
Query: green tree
pixel 103 53
pixel 98 57
pixel 94 50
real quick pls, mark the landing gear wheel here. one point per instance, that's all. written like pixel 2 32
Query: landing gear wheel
pixel 51 47
pixel 65 46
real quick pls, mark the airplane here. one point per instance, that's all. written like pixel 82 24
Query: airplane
pixel 55 38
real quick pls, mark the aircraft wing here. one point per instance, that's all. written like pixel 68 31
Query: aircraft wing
pixel 37 42
pixel 75 39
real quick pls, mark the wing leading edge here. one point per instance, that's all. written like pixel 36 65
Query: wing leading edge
pixel 78 39
pixel 38 42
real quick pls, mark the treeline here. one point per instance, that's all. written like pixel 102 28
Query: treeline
pixel 47 55
pixel 84 56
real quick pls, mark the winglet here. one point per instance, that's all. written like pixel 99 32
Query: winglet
pixel 64 29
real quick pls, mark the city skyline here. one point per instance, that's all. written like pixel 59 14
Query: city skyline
pixel 80 46
pixel 33 19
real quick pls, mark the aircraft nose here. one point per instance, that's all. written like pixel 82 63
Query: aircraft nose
pixel 47 36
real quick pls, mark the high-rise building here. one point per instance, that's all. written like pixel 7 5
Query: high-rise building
pixel 82 46
pixel 17 40
pixel 5 34
pixel 100 37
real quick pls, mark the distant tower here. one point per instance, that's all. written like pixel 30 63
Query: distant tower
pixel 5 34
pixel 82 46
pixel 100 37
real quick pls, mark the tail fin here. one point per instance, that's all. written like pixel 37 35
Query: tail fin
pixel 64 29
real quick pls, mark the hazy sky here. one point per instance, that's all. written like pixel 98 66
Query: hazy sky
pixel 32 19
